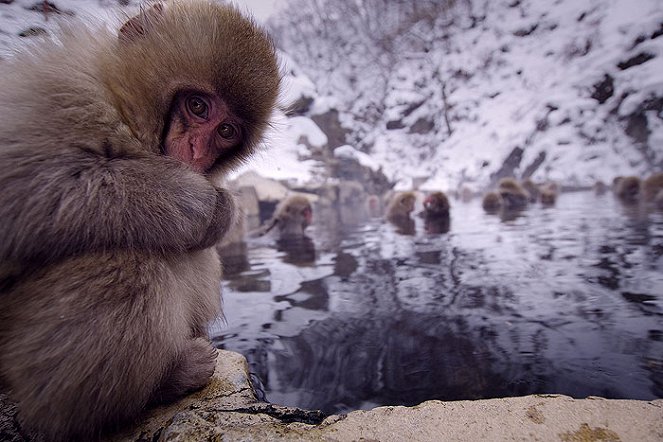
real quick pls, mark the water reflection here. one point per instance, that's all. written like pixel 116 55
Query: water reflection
pixel 557 300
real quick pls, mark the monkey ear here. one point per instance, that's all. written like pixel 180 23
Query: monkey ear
pixel 139 26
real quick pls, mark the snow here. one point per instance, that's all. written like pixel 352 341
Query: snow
pixel 503 87
pixel 348 151
pixel 281 156
pixel 504 91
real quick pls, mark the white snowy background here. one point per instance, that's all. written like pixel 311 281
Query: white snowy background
pixel 440 94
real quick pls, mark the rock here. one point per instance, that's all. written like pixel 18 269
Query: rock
pixel 229 389
pixel 265 188
pixel 534 165
pixel 47 7
pixel 227 410
pixel 301 106
pixel 511 162
pixel 604 89
pixel 422 126
pixel 395 124
pixel 35 31
pixel 349 169
pixel 635 60
pixel 330 124
pixel 8 427
pixel 248 200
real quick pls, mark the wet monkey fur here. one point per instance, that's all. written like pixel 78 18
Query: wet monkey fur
pixel 110 143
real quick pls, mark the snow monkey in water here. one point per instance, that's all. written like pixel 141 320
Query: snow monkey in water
pixel 436 213
pixel 652 187
pixel 398 212
pixel 548 193
pixel 291 218
pixel 531 188
pixel 514 196
pixel 628 189
pixel 492 202
pixel 109 148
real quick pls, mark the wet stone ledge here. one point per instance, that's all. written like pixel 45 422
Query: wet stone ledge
pixel 227 410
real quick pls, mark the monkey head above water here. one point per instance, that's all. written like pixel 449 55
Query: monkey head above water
pixel 548 193
pixel 532 189
pixel 436 205
pixel 401 205
pixel 110 144
pixel 628 189
pixel 436 213
pixel 291 217
pixel 399 209
pixel 492 202
pixel 514 196
pixel 652 186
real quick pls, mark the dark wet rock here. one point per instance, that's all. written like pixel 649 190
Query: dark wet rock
pixel 534 165
pixel 349 169
pixel 34 31
pixel 524 32
pixel 604 89
pixel 422 126
pixel 395 124
pixel 330 124
pixel 658 32
pixel 637 127
pixel 48 8
pixel 511 162
pixel 228 410
pixel 636 60
pixel 301 106
pixel 9 430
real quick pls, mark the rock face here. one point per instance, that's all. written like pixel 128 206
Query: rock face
pixel 227 409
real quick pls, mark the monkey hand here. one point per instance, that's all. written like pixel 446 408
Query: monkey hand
pixel 222 219
pixel 194 368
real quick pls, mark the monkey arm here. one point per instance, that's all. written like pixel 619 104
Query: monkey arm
pixel 67 202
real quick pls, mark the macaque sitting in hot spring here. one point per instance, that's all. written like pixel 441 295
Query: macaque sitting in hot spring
pixel 436 213
pixel 652 189
pixel 548 193
pixel 291 218
pixel 628 189
pixel 514 196
pixel 509 198
pixel 492 202
pixel 398 212
pixel 532 189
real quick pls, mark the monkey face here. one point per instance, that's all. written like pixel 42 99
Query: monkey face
pixel 307 213
pixel 201 128
pixel 407 203
pixel 436 204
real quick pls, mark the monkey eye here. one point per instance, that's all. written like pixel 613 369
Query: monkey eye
pixel 227 131
pixel 197 106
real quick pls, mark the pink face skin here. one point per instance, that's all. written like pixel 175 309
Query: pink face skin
pixel 201 128
pixel 308 216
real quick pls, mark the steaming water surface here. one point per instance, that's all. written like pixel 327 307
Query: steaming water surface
pixel 567 300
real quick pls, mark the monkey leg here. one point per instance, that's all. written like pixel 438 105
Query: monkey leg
pixel 87 343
